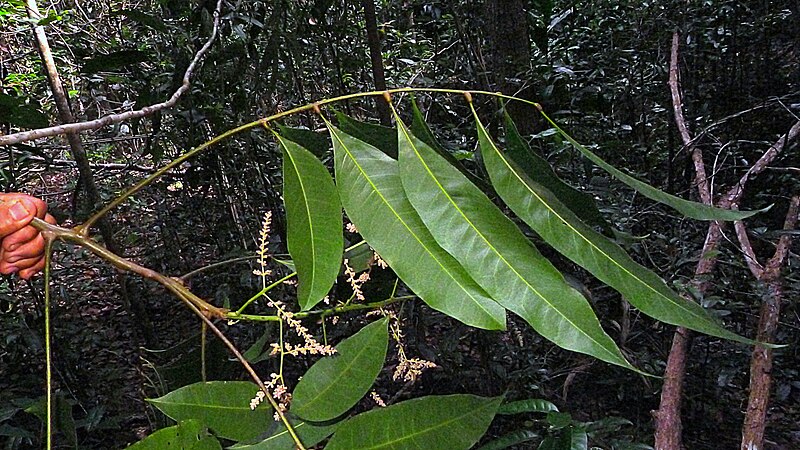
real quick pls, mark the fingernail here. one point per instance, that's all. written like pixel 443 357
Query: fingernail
pixel 18 211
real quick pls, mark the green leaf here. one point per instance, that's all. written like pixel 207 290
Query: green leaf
pixel 563 230
pixel 381 137
pixel 539 170
pixel 142 19
pixel 315 142
pixel 690 209
pixel 223 406
pixel 496 253
pixel 114 61
pixel 313 223
pixel 420 129
pixel 448 422
pixel 188 435
pixel 510 440
pixel 372 194
pixel 309 434
pixel 335 383
pixel 534 405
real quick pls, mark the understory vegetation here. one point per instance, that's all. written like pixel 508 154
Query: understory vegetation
pixel 403 224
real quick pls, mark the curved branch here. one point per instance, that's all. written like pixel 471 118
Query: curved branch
pixel 70 128
pixel 199 307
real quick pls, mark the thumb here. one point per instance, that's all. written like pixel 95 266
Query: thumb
pixel 15 215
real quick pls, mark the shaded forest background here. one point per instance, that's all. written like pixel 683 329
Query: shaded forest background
pixel 599 69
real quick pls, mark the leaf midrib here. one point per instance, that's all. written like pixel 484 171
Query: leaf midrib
pixel 397 216
pixel 535 291
pixel 581 235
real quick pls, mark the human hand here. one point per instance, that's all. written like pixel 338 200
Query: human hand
pixel 21 245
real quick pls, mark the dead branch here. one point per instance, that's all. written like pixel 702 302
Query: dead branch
pixel 735 193
pixel 701 179
pixel 69 128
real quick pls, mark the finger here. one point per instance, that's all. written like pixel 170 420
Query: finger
pixel 50 219
pixel 15 215
pixel 39 206
pixel 31 271
pixel 34 247
pixel 23 264
pixel 19 238
pixel 7 268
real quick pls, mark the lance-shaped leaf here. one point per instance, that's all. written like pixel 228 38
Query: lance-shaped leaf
pixel 223 406
pixel 539 170
pixel 563 230
pixel 372 194
pixel 335 383
pixel 447 422
pixel 688 208
pixel 313 223
pixel 496 253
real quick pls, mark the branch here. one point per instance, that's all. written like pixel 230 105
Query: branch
pixel 735 193
pixel 78 127
pixel 747 248
pixel 782 249
pixel 677 106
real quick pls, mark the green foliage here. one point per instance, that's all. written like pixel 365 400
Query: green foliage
pixel 690 209
pixel 310 434
pixel 497 255
pixel 451 422
pixel 335 383
pixel 373 196
pixel 560 227
pixel 222 406
pixel 314 223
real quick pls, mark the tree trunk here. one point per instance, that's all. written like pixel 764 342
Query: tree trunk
pixel 510 44
pixel 378 74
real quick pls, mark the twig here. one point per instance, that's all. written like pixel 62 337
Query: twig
pixel 78 127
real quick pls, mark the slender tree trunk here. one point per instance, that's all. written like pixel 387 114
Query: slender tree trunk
pixel 761 361
pixel 378 74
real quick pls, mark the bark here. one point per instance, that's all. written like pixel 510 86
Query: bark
pixel 378 74
pixel 761 360
pixel 668 424
pixel 510 57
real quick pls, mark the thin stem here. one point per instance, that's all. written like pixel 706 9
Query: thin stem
pixel 262 122
pixel 248 368
pixel 262 292
pixel 48 350
pixel 215 265
pixel 203 331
